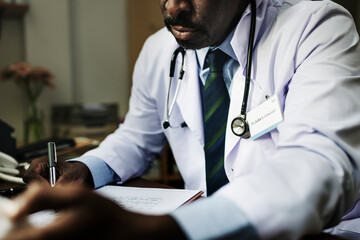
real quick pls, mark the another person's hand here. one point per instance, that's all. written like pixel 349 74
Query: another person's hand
pixel 66 172
pixel 83 214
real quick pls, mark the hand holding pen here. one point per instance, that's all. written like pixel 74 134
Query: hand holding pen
pixel 52 157
pixel 51 169
pixel 52 162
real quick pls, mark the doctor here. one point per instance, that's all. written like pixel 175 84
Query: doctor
pixel 297 176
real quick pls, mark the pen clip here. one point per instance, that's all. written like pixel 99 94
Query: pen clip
pixel 52 154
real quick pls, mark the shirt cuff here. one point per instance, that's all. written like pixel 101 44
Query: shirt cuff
pixel 101 173
pixel 213 218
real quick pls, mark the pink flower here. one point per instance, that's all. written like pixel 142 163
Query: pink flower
pixel 23 73
pixel 41 75
pixel 30 79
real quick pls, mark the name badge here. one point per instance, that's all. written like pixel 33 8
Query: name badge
pixel 264 117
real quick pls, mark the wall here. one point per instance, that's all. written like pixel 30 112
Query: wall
pixel 12 50
pixel 140 28
pixel 84 44
pixel 47 43
pixel 99 51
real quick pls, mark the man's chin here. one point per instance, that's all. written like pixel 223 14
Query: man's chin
pixel 191 45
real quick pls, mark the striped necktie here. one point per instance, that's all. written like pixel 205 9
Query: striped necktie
pixel 216 106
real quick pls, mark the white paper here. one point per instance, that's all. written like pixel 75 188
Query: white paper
pixel 154 201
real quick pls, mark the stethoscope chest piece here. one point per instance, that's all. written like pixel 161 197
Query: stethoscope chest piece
pixel 240 127
pixel 166 124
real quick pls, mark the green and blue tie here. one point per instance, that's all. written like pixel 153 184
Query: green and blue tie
pixel 216 106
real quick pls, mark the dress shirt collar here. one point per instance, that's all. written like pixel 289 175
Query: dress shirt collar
pixel 225 46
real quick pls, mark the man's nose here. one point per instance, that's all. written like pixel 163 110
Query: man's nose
pixel 175 7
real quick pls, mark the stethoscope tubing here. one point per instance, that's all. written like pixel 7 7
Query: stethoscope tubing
pixel 249 58
pixel 239 125
pixel 169 111
pixel 181 50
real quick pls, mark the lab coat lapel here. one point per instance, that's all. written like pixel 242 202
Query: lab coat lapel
pixel 234 110
pixel 189 98
pixel 240 44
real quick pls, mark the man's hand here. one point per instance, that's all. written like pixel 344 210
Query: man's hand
pixel 66 172
pixel 83 214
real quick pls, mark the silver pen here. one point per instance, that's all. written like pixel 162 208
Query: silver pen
pixel 52 162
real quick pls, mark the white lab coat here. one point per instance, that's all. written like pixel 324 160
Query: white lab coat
pixel 296 179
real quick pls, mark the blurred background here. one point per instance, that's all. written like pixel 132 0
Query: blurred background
pixel 90 47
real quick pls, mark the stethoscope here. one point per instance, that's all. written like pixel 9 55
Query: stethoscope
pixel 170 108
pixel 239 125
